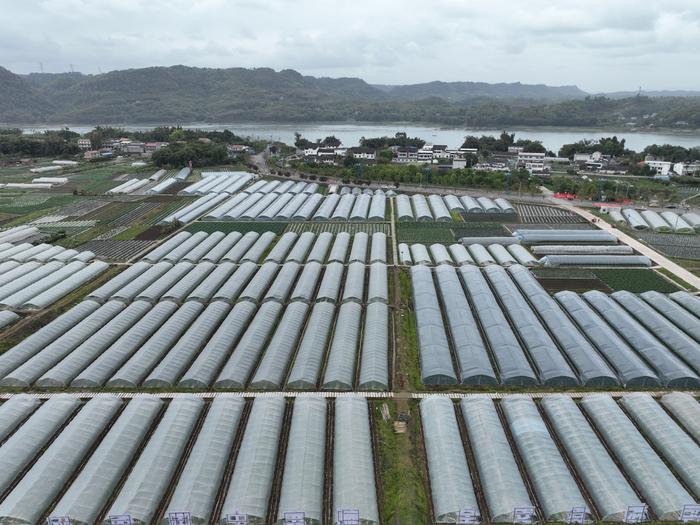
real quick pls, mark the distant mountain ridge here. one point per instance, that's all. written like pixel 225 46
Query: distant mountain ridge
pixel 462 91
pixel 181 94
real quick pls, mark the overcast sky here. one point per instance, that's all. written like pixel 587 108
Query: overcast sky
pixel 599 45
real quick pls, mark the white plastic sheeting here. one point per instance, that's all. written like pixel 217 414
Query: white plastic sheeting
pixel 44 481
pixel 471 355
pixel 340 368
pixel 552 368
pixel 200 479
pixel 610 491
pixel 353 465
pixel 251 483
pixel 91 490
pixel 15 411
pixel 307 365
pixel 657 484
pixel 630 368
pixel 591 367
pixel 374 363
pixel 303 479
pixel 513 366
pixel 434 352
pixel 500 478
pixel 149 478
pixel 450 482
pixel 669 439
pixel 554 485
pixel 685 409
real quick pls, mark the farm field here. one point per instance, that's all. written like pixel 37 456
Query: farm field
pixel 672 244
pixel 115 250
pixel 533 213
pixel 635 280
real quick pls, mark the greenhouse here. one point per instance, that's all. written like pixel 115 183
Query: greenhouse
pixel 358 250
pixel 238 250
pixel 329 288
pixel 301 248
pixel 307 364
pixel 671 370
pixel 405 254
pixel 568 236
pixel 500 477
pixel 656 222
pixel 377 208
pixel 137 367
pixel 353 463
pixel 47 477
pixel 182 289
pixel 674 338
pixel 460 254
pixel 320 248
pixel 234 285
pixel 676 222
pixel 305 288
pixel 304 465
pixel 471 205
pixel 354 288
pixel 586 249
pixel 92 489
pixel 595 260
pixel 552 368
pixel 342 211
pixel 259 247
pixel 488 205
pixel 251 483
pixel 361 208
pixel 506 206
pixel 246 353
pixel 420 255
pixel 657 484
pixel 521 255
pixel 556 489
pixel 481 255
pixel 591 367
pixel 404 212
pixel 501 255
pixel 420 206
pixel 374 367
pixel 513 365
pixel 692 219
pixel 685 409
pixel 217 344
pixel 179 357
pixel 340 367
pixel 687 301
pixel 610 491
pixel 439 254
pixel 450 480
pixel 668 438
pixel 339 250
pixel 629 366
pixel 148 480
pixel 198 484
pixel 308 208
pixel 378 287
pixel 438 208
pixel 269 374
pixel 674 312
pixel 471 355
pixel 260 282
pixel 453 203
pixel 282 285
pixel 200 250
pixel 434 352
pixel 378 248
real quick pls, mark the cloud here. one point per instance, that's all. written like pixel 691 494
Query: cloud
pixel 598 45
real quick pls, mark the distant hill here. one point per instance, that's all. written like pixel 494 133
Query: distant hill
pixel 19 102
pixel 183 95
pixel 663 93
pixel 465 91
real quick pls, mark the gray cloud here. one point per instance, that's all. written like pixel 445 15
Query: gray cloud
pixel 598 44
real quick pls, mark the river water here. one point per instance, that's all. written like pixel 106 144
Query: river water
pixel 350 134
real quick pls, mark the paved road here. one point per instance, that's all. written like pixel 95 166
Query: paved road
pixel 655 256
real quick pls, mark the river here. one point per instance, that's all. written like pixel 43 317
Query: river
pixel 350 134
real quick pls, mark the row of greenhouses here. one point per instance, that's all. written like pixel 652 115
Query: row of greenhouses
pixel 27 252
pixel 219 182
pixel 559 460
pixel 500 326
pixel 300 206
pixel 264 327
pixel 227 281
pixel 664 222
pixel 151 460
pixel 458 254
pixel 237 247
pixel 17 234
pixel 435 207
pixel 35 285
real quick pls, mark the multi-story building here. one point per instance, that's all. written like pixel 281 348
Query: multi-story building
pixel 362 153
pixel 406 154
pixel 662 167
pixel 533 162
pixel 84 144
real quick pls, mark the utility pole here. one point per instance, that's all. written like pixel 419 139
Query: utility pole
pixel 71 68
pixel 41 67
